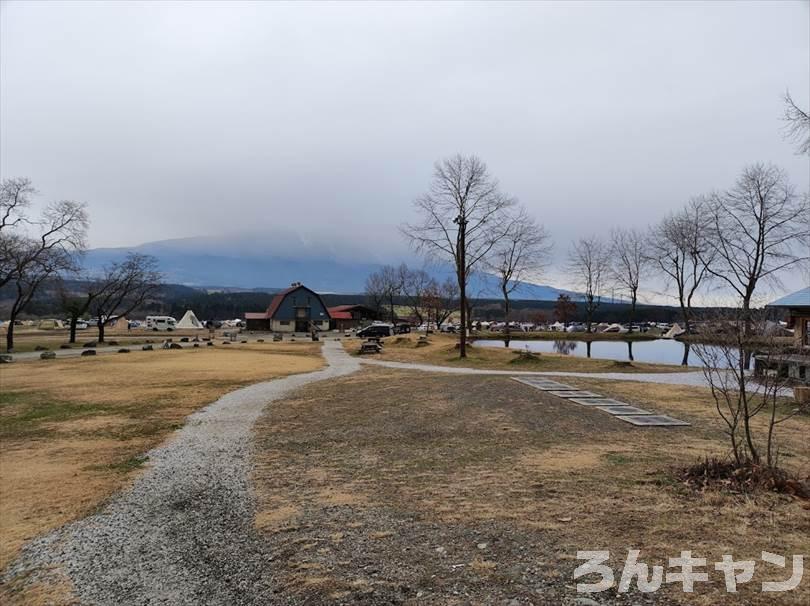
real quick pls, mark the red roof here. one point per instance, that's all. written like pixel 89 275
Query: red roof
pixel 339 315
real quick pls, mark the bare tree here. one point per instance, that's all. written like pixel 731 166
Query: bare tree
pixel 797 125
pixel 61 227
pixel 756 231
pixel 375 292
pixel 441 300
pixel 588 263
pixel 32 271
pixel 629 258
pixel 679 247
pixel 564 308
pixel 741 393
pixel 520 254
pixel 416 284
pixel 124 287
pixel 462 219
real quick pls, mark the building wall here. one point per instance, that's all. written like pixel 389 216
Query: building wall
pixel 289 325
pixel 301 297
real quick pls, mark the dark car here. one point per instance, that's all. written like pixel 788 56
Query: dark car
pixel 375 330
pixel 402 329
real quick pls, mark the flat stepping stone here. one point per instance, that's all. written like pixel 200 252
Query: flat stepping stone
pixel 543 384
pixel 574 394
pixel 624 410
pixel 598 402
pixel 652 420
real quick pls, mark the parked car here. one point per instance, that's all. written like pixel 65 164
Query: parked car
pixel 160 323
pixel 375 330
pixel 401 329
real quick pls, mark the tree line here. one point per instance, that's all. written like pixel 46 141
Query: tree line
pixel 735 239
pixel 45 249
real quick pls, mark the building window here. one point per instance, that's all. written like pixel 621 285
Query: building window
pixel 285 322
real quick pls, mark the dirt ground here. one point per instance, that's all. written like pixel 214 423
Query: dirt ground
pixel 441 350
pixel 74 431
pixel 399 487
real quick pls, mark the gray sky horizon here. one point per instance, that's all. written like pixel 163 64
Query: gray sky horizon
pixel 174 120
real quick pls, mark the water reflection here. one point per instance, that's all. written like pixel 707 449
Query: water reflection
pixel 660 351
pixel 565 347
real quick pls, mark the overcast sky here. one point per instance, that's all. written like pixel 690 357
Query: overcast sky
pixel 182 119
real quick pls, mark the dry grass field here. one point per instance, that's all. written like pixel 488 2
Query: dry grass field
pixel 74 431
pixel 437 489
pixel 441 351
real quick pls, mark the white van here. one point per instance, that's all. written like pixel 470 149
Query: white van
pixel 160 323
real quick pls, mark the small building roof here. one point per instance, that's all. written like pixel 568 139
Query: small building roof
pixel 800 298
pixel 339 315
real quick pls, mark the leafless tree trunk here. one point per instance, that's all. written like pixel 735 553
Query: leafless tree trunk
pixel 679 247
pixel 375 292
pixel 462 219
pixel 415 286
pixel 740 393
pixel 629 258
pixel 519 255
pixel 797 125
pixel 124 287
pixel 588 263
pixel 756 231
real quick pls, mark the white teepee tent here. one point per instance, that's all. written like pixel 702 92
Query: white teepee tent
pixel 189 320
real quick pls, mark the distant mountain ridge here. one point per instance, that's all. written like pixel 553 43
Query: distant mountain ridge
pixel 240 262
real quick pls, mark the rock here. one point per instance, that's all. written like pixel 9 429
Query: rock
pixel 47 355
pixel 184 339
pixel 40 348
pixel 481 545
pixel 259 340
pixel 586 602
pixel 226 342
pixel 209 344
pixel 90 344
pixel 175 346
pixel 123 350
pixel 112 343
pixel 6 359
pixel 147 348
pixel 244 341
pixel 89 352
pixel 66 346
pixel 196 345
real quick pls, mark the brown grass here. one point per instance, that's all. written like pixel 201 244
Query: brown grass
pixel 451 461
pixel 73 431
pixel 442 351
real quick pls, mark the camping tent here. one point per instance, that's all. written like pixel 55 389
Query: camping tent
pixel 189 320
pixel 673 332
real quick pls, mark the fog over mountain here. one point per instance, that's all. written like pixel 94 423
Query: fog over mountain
pixel 338 261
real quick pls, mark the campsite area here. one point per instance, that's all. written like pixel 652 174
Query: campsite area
pixel 451 489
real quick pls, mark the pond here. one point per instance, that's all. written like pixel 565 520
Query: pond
pixel 658 351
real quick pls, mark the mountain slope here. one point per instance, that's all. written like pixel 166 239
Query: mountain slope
pixel 330 263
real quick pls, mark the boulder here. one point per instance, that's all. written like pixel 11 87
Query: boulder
pixel 123 350
pixel 90 344
pixel 89 352
pixel 196 345
pixel 112 343
pixel 209 344
pixel 66 346
pixel 6 359
pixel 259 340
pixel 184 339
pixel 47 355
pixel 40 348
pixel 244 341
pixel 175 346
pixel 226 342
pixel 147 347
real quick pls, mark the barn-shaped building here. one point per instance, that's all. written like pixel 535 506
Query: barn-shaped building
pixel 296 309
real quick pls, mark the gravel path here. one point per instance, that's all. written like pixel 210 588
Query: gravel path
pixel 183 533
